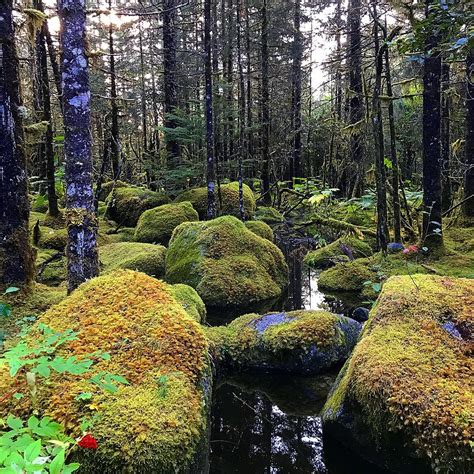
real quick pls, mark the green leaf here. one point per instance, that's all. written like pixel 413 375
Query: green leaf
pixel 33 422
pixel 5 309
pixel 33 451
pixel 84 396
pixel 14 423
pixel 11 289
pixel 376 287
pixel 57 463
pixel 68 468
pixel 18 396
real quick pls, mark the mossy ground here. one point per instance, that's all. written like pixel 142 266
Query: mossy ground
pixel 125 205
pixel 261 229
pixel 155 423
pixel 408 374
pixel 146 258
pixel 230 200
pixel 227 264
pixel 108 186
pixel 269 215
pixel 156 225
pixel 333 253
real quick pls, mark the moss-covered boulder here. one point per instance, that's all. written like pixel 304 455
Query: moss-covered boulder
pixel 349 276
pixel 301 342
pixel 155 423
pixel 107 187
pixel 126 205
pixel 230 200
pixel 337 251
pixel 269 215
pixel 226 263
pixel 404 399
pixel 261 229
pixel 189 299
pixel 156 225
pixel 146 258
pixel 52 238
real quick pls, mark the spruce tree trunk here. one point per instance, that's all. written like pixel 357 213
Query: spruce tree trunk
pixel 445 136
pixel 16 256
pixel 169 75
pixel 432 192
pixel 265 108
pixel 211 174
pixel 356 104
pixel 469 175
pixel 82 261
pixel 296 98
pixel 242 134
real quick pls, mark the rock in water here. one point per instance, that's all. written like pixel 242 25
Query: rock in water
pixel 156 423
pixel 403 398
pixel 226 263
pixel 360 314
pixel 299 342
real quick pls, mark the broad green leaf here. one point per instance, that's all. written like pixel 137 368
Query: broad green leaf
pixel 33 451
pixel 14 423
pixel 11 289
pixel 57 463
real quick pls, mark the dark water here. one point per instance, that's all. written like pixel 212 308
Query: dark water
pixel 270 423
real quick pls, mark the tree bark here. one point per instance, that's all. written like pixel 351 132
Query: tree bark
pixel 16 256
pixel 82 261
pixel 169 75
pixel 468 207
pixel 211 174
pixel 445 136
pixel 242 134
pixel 432 192
pixel 265 109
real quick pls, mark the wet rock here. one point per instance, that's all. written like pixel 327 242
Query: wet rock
pixel 394 247
pixel 299 342
pixel 360 314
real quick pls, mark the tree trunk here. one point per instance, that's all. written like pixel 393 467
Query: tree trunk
pixel 356 107
pixel 445 136
pixel 53 209
pixel 211 174
pixel 432 193
pixel 265 110
pixel 380 173
pixel 82 261
pixel 469 175
pixel 242 133
pixel 16 256
pixel 143 91
pixel 169 75
pixel 393 154
pixel 297 54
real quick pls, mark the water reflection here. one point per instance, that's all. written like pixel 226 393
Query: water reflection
pixel 268 424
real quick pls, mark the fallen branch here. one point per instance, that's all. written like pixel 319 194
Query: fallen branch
pixel 340 225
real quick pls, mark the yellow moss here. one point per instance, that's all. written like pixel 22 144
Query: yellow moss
pixel 155 422
pixel 190 300
pixel 261 229
pixel 409 374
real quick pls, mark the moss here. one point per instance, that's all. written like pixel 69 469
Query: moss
pixel 125 205
pixel 55 222
pixel 261 229
pixel 107 187
pixel 349 276
pixel 124 234
pixel 146 258
pixel 227 264
pixel 330 254
pixel 35 217
pixel 297 341
pixel 190 300
pixel 155 423
pixel 268 215
pixel 53 273
pixel 230 200
pixel 156 225
pixel 409 375
pixel 53 238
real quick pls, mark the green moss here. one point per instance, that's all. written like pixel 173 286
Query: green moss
pixel 269 215
pixel 409 375
pixel 230 200
pixel 52 238
pixel 156 422
pixel 52 273
pixel 156 225
pixel 225 262
pixel 261 229
pixel 125 205
pixel 331 254
pixel 57 222
pixel 146 258
pixel 190 300
pixel 107 187
pixel 349 276
pixel 35 217
pixel 124 234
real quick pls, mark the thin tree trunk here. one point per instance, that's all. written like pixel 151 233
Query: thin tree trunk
pixel 445 136
pixel 265 110
pixel 242 133
pixel 16 256
pixel 468 207
pixel 211 174
pixel 143 91
pixel 82 261
pixel 296 96
pixel 54 64
pixel 249 133
pixel 432 192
